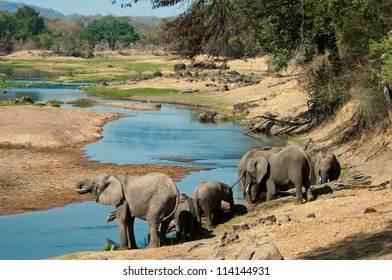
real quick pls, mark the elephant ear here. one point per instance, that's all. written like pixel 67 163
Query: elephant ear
pixel 112 192
pixel 262 168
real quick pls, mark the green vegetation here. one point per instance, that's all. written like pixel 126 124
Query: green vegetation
pixel 123 93
pixel 82 102
pixel 111 30
pixel 7 181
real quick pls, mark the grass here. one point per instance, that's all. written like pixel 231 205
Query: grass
pixel 90 70
pixel 124 93
pixel 82 102
pixel 7 181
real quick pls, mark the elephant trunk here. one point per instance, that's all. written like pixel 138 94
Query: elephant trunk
pixel 231 208
pixel 324 178
pixel 83 187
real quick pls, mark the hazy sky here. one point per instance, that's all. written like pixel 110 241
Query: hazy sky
pixel 103 7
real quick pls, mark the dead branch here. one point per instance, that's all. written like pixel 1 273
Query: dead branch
pixel 383 146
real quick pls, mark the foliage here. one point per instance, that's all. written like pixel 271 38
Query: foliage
pixel 381 55
pixel 82 102
pixel 327 94
pixel 110 29
pixel 115 92
pixel 371 103
pixel 28 23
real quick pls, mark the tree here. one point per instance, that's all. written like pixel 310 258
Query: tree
pixel 110 29
pixel 7 30
pixel 28 23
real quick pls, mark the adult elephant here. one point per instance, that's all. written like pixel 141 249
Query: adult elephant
pixel 243 165
pixel 288 168
pixel 327 167
pixel 153 197
pixel 207 199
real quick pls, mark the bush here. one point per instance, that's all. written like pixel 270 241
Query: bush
pixel 327 94
pixel 371 103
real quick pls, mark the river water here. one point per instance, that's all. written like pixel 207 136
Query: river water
pixel 158 137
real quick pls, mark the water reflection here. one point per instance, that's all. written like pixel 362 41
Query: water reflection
pixel 43 94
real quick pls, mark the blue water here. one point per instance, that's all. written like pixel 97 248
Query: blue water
pixel 43 94
pixel 144 137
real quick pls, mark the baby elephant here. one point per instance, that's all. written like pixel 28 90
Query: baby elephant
pixel 185 217
pixel 208 197
pixel 326 168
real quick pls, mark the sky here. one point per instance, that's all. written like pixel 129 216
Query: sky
pixel 103 7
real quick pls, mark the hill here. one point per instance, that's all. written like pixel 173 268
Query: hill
pixel 13 6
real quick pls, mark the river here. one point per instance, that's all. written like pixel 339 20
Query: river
pixel 160 137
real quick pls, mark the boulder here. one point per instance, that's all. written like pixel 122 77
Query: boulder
pixel 267 251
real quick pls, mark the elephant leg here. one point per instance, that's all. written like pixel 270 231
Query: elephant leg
pixel 271 190
pixel 209 219
pixel 178 230
pixel 162 235
pixel 308 192
pixel 131 234
pixel 123 225
pixel 298 194
pixel 154 239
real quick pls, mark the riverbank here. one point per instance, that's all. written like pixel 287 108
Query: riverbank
pixel 351 223
pixel 41 157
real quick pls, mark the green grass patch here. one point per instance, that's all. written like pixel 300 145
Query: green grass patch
pixel 123 93
pixel 82 102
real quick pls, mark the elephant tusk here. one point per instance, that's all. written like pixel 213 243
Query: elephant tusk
pixel 247 188
pixel 81 191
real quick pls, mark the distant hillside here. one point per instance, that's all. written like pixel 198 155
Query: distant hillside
pixel 13 6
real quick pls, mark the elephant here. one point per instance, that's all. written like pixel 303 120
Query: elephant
pixel 290 167
pixel 327 167
pixel 243 164
pixel 185 217
pixel 153 197
pixel 208 197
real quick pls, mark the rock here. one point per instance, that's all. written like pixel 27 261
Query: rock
pixel 23 99
pixel 284 219
pixel 210 116
pixel 243 107
pixel 225 88
pixel 243 226
pixel 312 216
pixel 246 255
pixel 219 118
pixel 189 90
pixel 228 238
pixel 370 210
pixel 157 74
pixel 267 251
pixel 271 114
pixel 266 219
pixel 178 67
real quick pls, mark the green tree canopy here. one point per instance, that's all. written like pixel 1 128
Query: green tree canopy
pixel 110 29
pixel 28 23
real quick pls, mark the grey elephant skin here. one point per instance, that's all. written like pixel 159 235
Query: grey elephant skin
pixel 153 197
pixel 185 218
pixel 243 166
pixel 288 168
pixel 208 198
pixel 327 167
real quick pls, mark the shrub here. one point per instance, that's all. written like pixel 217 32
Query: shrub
pixel 327 94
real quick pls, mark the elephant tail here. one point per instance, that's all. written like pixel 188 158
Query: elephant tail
pixel 240 177
pixel 177 196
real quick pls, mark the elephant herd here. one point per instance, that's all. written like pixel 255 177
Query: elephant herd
pixel 155 198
